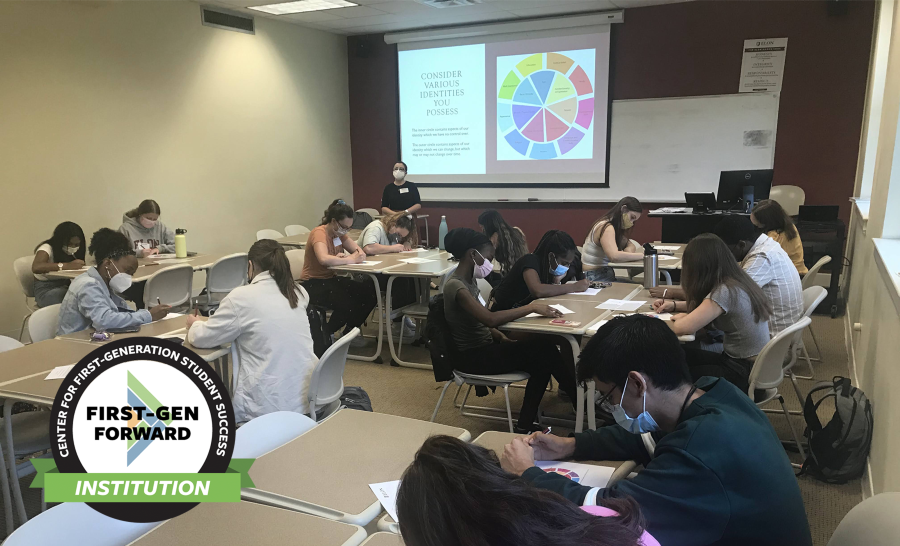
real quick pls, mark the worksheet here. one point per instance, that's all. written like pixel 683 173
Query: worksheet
pixel 59 372
pixel 583 474
pixel 561 308
pixel 621 305
pixel 386 492
pixel 588 292
pixel 416 261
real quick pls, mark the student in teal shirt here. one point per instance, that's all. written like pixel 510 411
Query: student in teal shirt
pixel 718 474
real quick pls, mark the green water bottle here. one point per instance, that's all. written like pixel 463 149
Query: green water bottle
pixel 180 243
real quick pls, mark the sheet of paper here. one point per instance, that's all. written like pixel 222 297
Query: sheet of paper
pixel 596 326
pixel 561 308
pixel 583 474
pixel 386 492
pixel 414 251
pixel 672 248
pixel 621 305
pixel 660 316
pixel 366 263
pixel 662 257
pixel 162 256
pixel 170 262
pixel 59 372
pixel 588 292
pixel 416 261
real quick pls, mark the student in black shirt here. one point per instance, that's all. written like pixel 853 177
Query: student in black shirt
pixel 542 274
pixel 400 195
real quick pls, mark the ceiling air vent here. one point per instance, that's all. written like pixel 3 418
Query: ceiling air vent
pixel 227 20
pixel 449 3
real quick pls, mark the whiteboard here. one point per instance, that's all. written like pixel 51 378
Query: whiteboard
pixel 661 148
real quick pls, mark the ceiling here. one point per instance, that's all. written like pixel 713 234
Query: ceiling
pixel 378 16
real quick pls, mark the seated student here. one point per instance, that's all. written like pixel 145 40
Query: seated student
pixel 266 321
pixel 392 233
pixel 768 216
pixel 64 251
pixel 767 264
pixel 455 494
pixel 401 195
pixel 717 291
pixel 327 246
pixel 509 243
pixel 718 475
pixel 94 298
pixel 483 348
pixel 542 274
pixel 148 237
pixel 604 245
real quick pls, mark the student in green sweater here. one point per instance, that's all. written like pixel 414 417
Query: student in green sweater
pixel 718 474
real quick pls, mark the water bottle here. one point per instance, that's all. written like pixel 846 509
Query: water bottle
pixel 651 266
pixel 180 243
pixel 442 232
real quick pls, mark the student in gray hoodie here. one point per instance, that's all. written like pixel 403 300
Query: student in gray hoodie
pixel 147 234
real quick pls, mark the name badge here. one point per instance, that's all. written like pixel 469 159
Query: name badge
pixel 336 242
pixel 404 190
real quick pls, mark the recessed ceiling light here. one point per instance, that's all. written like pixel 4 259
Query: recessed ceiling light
pixel 301 6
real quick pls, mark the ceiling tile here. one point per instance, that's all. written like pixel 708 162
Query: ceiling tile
pixel 409 6
pixel 357 11
pixel 311 16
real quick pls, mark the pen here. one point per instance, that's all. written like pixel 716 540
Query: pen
pixel 547 430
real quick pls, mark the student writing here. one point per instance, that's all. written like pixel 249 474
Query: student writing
pixel 608 240
pixel 64 251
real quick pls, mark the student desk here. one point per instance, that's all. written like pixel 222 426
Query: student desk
pixel 327 470
pixel 585 312
pixel 148 266
pixel 384 539
pixel 642 295
pixel 299 241
pixel 233 523
pixel 386 262
pixel 665 265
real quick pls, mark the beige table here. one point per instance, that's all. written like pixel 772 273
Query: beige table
pixel 38 358
pixel 245 523
pixel 148 266
pixel 299 241
pixel 665 265
pixel 327 470
pixel 384 539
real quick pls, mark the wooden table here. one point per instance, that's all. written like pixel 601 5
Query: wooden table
pixel 148 266
pixel 240 523
pixel 327 470
pixel 384 539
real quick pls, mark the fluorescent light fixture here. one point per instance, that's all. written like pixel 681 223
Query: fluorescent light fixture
pixel 301 6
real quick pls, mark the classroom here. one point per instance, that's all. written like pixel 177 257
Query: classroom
pixel 449 272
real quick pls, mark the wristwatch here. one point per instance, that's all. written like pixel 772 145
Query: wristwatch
pixel 60 265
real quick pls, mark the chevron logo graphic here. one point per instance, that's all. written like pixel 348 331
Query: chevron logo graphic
pixel 143 423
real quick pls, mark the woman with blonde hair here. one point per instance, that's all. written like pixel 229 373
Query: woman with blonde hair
pixel 392 233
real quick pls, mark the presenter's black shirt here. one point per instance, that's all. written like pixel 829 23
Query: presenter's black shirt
pixel 398 198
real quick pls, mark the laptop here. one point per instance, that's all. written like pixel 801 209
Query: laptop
pixel 702 202
pixel 818 213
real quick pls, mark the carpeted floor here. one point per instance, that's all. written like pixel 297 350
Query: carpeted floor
pixel 413 393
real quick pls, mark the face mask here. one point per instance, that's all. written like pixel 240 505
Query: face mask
pixel 70 250
pixel 626 221
pixel 560 269
pixel 149 224
pixel 399 175
pixel 638 425
pixel 340 230
pixel 120 282
pixel 483 270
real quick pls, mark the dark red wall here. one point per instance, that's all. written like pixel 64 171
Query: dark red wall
pixel 673 50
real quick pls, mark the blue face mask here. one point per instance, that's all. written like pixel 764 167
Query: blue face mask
pixel 560 269
pixel 637 425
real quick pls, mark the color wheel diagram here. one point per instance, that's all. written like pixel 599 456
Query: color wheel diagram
pixel 571 474
pixel 545 106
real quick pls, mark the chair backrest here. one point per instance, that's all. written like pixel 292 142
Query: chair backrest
pixel 227 273
pixel 371 212
pixel 171 285
pixel 43 323
pixel 295 229
pixel 768 369
pixel 812 297
pixel 268 234
pixel 327 382
pixel 872 522
pixel 8 344
pixel 810 278
pixel 77 524
pixel 267 432
pixel 296 258
pixel 789 197
pixel 22 267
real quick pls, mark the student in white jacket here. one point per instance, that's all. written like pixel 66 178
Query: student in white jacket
pixel 267 324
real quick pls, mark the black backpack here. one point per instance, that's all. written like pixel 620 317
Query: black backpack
pixel 838 450
pixel 438 341
pixel 321 341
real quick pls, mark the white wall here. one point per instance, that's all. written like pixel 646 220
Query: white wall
pixel 103 104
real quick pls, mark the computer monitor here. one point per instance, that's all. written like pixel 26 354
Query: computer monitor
pixel 732 184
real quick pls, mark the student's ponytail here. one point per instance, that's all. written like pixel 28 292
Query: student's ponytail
pixel 269 256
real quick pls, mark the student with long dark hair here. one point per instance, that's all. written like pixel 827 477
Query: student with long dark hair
pixel 267 323
pixel 509 242
pixel 455 494
pixel 327 246
pixel 609 240
pixel 64 251
pixel 717 291
pixel 94 298
pixel 770 217
pixel 482 348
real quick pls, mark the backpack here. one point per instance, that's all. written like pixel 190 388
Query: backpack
pixel 356 398
pixel 361 220
pixel 437 339
pixel 321 341
pixel 838 450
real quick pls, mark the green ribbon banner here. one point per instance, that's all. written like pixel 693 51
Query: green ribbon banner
pixel 142 487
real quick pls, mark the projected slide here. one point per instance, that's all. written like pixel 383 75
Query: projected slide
pixel 510 111
pixel 545 107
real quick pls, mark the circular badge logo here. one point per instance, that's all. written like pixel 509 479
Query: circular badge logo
pixel 144 407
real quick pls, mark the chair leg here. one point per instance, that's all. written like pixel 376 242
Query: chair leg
pixel 667 276
pixel 462 407
pixel 812 372
pixel 816 343
pixel 400 346
pixel 793 430
pixel 508 410
pixel 22 331
pixel 796 387
pixel 440 401
pixel 7 494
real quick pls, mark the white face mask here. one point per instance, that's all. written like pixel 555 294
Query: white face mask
pixel 399 175
pixel 120 282
pixel 147 223
pixel 70 250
